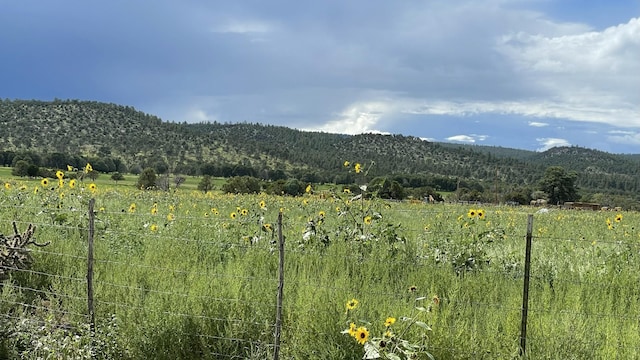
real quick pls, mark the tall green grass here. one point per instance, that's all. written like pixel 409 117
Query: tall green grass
pixel 190 283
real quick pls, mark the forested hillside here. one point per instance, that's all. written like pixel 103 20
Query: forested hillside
pixel 120 138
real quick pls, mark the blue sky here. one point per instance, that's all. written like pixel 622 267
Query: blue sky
pixel 528 74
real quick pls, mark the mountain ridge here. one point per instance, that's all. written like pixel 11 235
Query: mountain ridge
pixel 97 131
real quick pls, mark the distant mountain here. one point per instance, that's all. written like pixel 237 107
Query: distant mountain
pixel 116 137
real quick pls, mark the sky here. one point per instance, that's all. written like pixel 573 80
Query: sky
pixel 526 74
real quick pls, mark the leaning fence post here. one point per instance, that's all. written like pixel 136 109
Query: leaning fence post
pixel 525 291
pixel 276 349
pixel 92 317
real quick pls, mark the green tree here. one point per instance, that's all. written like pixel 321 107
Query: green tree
pixel 559 185
pixel 20 168
pixel 147 179
pixel 116 176
pixel 242 185
pixel 205 184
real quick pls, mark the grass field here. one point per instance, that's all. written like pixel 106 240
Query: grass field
pixel 190 275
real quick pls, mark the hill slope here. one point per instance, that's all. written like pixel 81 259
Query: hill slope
pixel 99 131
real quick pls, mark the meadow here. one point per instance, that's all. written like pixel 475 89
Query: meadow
pixel 188 275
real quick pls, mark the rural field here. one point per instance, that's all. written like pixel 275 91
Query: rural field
pixel 190 275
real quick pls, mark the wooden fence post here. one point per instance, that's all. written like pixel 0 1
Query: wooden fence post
pixel 525 291
pixel 276 348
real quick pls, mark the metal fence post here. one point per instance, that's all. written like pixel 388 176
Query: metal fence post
pixel 525 291
pixel 276 349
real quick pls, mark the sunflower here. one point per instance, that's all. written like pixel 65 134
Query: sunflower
pixel 346 191
pixel 267 227
pixel 171 217
pixel 390 321
pixel 93 187
pixel 362 335
pixel 154 211
pixel 472 213
pixel 72 183
pixel 308 189
pixel 59 174
pixel 233 215
pixel 60 183
pixel 7 186
pixel 352 304
pixel 367 220
pixel 88 168
pixel 352 329
pixel 618 218
pixel 346 163
pixel 244 212
pixel 154 227
pixel 132 208
pixel 263 204
pixel 44 182
pixel 481 214
pixel 358 168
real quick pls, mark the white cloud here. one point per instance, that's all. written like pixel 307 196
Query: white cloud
pixel 243 27
pixel 624 137
pixel 358 118
pixel 467 138
pixel 589 76
pixel 196 116
pixel 548 143
pixel 537 124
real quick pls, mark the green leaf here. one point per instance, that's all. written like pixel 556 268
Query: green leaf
pixel 423 325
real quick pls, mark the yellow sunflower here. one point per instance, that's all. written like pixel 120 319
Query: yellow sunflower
pixel 362 335
pixel 472 213
pixel 390 321
pixel 44 182
pixel 352 329
pixel 352 304
pixel 93 187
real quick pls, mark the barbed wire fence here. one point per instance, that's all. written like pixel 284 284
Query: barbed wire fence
pixel 81 306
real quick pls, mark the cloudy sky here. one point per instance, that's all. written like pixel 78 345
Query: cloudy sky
pixel 527 74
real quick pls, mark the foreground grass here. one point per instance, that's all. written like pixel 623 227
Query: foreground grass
pixel 187 280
